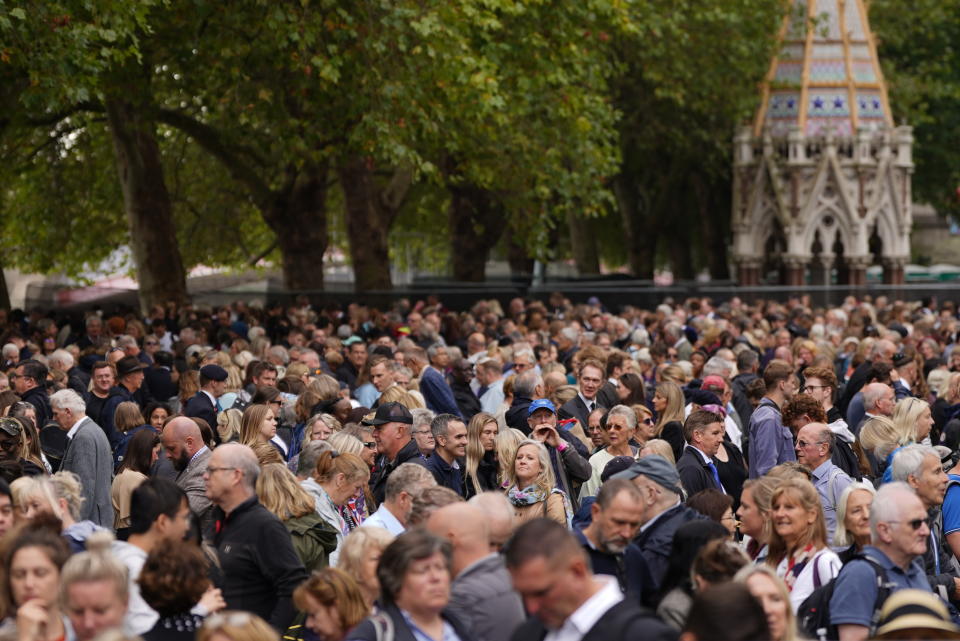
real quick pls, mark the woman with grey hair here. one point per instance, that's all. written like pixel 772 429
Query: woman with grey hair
pixel 414 576
pixel 853 520
pixel 619 427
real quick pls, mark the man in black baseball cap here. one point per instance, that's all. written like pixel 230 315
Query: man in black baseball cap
pixel 391 430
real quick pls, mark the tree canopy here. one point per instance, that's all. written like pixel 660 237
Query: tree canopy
pixel 235 132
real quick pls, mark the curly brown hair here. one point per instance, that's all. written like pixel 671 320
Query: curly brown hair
pixel 800 405
pixel 174 577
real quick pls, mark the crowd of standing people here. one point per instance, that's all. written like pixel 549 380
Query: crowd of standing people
pixel 540 470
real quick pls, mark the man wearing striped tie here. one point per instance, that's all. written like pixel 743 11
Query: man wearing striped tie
pixel 703 432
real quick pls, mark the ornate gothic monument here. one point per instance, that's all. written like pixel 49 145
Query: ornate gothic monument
pixel 822 178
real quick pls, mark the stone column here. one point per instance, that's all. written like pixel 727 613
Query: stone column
pixel 893 270
pixel 748 271
pixel 820 268
pixel 794 268
pixel 857 267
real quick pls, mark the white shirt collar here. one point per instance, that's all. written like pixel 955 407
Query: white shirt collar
pixel 586 402
pixel 646 525
pixel 213 399
pixel 385 516
pixel 703 456
pixel 76 426
pixel 590 611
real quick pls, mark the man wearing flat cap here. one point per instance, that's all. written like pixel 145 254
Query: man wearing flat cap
pixel 663 513
pixel 204 404
pixel 129 380
pixel 392 425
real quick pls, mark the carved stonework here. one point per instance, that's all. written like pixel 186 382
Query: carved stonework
pixel 823 165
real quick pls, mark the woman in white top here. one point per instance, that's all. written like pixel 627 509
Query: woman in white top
pixel 798 541
pixel 619 427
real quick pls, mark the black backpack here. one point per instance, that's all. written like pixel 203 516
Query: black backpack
pixel 813 616
pixel 846 459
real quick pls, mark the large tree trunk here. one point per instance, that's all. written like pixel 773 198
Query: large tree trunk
pixel 370 213
pixel 520 261
pixel 712 200
pixel 4 292
pixel 476 222
pixel 153 237
pixel 583 243
pixel 681 255
pixel 641 244
pixel 299 219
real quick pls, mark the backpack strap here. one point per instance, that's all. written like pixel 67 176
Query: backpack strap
pixel 816 572
pixel 884 588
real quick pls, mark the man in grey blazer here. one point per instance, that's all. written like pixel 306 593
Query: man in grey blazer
pixel 189 455
pixel 87 455
pixel 481 592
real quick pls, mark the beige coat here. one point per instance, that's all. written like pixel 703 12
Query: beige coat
pixel 552 508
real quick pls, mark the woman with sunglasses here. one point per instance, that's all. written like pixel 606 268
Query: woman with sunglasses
pixel 13 445
pixel 620 426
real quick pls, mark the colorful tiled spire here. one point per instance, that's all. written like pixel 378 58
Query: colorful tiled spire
pixel 827 77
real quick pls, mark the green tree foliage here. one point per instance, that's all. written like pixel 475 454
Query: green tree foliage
pixel 689 76
pixel 921 62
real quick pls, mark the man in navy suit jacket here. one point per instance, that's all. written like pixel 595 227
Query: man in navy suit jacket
pixel 204 404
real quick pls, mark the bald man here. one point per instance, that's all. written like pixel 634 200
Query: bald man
pixel 190 456
pixel 481 589
pixel 501 519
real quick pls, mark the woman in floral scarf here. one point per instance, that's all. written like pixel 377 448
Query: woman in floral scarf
pixel 798 542
pixel 532 490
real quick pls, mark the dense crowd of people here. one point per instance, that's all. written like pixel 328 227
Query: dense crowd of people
pixel 540 471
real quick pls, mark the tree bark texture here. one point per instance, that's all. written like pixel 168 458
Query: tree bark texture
pixel 371 210
pixel 153 237
pixel 712 199
pixel 583 242
pixel 476 223
pixel 298 216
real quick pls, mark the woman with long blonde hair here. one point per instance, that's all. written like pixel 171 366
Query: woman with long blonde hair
pixel 313 538
pixel 912 417
pixel 481 467
pixel 532 491
pixel 507 442
pixel 668 402
pixel 772 593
